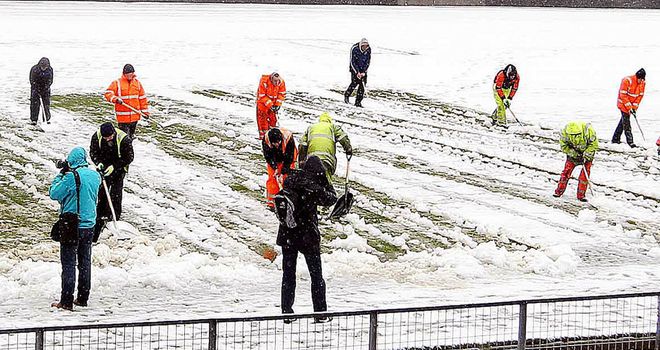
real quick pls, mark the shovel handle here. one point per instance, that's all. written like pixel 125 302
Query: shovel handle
pixel 107 196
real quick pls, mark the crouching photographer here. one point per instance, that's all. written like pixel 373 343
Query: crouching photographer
pixel 76 189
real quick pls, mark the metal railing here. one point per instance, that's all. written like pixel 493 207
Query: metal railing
pixel 616 322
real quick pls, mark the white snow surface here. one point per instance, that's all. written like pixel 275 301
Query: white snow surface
pixel 447 210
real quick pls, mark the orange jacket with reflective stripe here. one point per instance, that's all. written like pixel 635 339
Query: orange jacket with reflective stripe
pixel 502 82
pixel 268 94
pixel 630 93
pixel 132 93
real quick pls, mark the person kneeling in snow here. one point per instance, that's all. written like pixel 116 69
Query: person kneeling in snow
pixel 281 153
pixel 579 142
pixel 76 195
pixel 312 188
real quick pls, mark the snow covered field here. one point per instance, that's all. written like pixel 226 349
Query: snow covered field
pixel 447 209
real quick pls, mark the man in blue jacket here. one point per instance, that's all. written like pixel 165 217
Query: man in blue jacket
pixel 360 59
pixel 63 190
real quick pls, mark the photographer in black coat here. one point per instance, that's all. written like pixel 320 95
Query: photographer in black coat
pixel 41 78
pixel 312 188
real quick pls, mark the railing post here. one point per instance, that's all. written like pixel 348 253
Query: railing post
pixel 522 325
pixel 657 327
pixel 373 330
pixel 213 335
pixel 39 340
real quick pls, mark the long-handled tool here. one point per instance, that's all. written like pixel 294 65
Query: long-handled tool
pixel 586 174
pixel 142 115
pixel 514 116
pixel 345 202
pixel 123 231
pixel 640 128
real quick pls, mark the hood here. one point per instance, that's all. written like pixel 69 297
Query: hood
pixel 325 118
pixel 512 68
pixel 314 165
pixel 77 157
pixel 44 61
pixel 574 128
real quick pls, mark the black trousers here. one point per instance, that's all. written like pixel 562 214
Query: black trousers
pixel 360 83
pixel 624 126
pixel 115 184
pixel 128 128
pixel 289 261
pixel 36 98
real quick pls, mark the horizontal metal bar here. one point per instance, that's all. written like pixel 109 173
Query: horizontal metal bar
pixel 332 314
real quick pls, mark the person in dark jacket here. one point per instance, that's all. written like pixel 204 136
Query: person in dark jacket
pixel 311 186
pixel 41 78
pixel 111 150
pixel 281 153
pixel 359 64
pixel 64 190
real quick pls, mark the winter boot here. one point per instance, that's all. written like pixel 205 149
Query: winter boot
pixel 632 145
pixel 582 199
pixel 358 104
pixel 346 96
pixel 62 306
pixel 79 302
pixel 322 319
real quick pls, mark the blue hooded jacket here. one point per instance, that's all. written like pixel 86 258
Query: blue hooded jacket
pixel 360 60
pixel 63 188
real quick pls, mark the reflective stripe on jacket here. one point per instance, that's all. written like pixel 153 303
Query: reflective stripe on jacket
pixel 631 93
pixel 321 140
pixel 132 93
pixel 269 94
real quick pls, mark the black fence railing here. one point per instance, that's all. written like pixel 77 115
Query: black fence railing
pixel 616 322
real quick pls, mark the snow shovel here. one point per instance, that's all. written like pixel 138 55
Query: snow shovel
pixel 345 202
pixel 122 230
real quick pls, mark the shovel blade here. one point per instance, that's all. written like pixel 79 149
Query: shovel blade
pixel 121 231
pixel 343 206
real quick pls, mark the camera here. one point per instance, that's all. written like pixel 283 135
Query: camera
pixel 62 164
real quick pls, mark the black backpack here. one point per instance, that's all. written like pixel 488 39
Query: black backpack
pixel 286 204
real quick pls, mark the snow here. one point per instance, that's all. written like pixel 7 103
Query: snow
pixel 446 209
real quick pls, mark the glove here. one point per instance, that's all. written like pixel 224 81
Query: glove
pixel 108 171
pixel 589 157
pixel 349 155
pixel 275 108
pixel 100 167
pixel 633 112
pixel 578 160
pixel 507 102
pixel 147 115
pixel 119 101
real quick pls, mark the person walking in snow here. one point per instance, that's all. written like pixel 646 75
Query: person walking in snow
pixel 312 188
pixel 270 96
pixel 111 149
pixel 631 93
pixel 76 188
pixel 41 78
pixel 580 143
pixel 128 96
pixel 280 151
pixel 360 58
pixel 320 140
pixel 505 86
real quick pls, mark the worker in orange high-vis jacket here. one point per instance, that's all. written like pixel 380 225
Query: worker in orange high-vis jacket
pixel 124 93
pixel 270 96
pixel 631 93
pixel 281 153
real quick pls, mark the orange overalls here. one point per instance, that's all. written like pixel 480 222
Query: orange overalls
pixel 274 183
pixel 268 95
